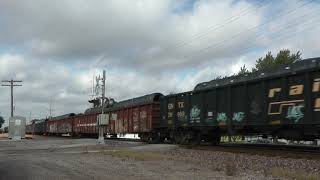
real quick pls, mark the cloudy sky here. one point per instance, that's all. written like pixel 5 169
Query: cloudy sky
pixel 145 46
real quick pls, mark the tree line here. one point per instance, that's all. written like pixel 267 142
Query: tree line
pixel 283 57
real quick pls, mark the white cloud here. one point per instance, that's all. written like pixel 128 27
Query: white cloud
pixel 146 45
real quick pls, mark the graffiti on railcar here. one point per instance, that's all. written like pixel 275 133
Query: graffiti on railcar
pixel 294 107
pixel 222 118
pixel 295 113
pixel 195 114
pixel 255 108
pixel 65 127
pixel 53 127
pixel 238 116
pixel 232 138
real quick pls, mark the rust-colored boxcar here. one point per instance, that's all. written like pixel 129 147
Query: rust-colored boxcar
pixel 134 116
pixel 86 124
pixel 61 124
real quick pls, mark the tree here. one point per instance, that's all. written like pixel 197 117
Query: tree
pixel 282 58
pixel 243 71
pixel 1 121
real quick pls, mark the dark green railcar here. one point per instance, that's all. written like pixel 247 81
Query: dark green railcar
pixel 282 102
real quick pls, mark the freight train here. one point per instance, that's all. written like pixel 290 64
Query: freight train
pixel 282 102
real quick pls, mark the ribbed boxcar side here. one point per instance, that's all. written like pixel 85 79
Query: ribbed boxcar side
pixel 86 125
pixel 154 122
pixel 144 116
pixel 51 127
pixel 65 126
pixel 60 124
pixel 126 120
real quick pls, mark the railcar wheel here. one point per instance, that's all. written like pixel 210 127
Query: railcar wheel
pixel 178 138
pixel 195 140
pixel 153 138
pixel 215 140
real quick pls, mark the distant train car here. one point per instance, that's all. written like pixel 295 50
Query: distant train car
pixel 60 124
pixel 37 126
pixel 29 129
pixel 6 129
pixel 283 102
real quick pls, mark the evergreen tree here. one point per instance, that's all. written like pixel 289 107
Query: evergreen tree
pixel 270 62
pixel 1 121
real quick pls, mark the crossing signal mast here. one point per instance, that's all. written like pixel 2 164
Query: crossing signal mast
pixel 101 101
pixel 102 118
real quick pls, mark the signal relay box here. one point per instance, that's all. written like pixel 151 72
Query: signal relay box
pixel 103 119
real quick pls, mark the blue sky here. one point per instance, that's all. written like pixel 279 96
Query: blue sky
pixel 147 45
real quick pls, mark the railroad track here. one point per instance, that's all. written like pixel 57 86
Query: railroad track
pixel 258 146
pixel 293 148
pixel 286 151
pixel 123 139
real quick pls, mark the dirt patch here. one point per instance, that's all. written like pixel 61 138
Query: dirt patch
pixel 66 158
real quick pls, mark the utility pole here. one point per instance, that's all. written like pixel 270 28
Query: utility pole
pixel 101 127
pixel 50 108
pixel 11 85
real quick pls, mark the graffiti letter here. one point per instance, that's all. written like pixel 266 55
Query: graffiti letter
pixel 295 113
pixel 272 92
pixel 222 117
pixel 195 112
pixel 239 116
pixel 296 90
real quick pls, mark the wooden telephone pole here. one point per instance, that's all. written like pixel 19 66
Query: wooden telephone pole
pixel 11 85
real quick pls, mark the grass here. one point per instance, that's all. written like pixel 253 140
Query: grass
pixel 297 175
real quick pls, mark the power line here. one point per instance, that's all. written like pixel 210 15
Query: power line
pixel 290 25
pixel 218 26
pixel 209 29
pixel 12 84
pixel 288 35
pixel 218 44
